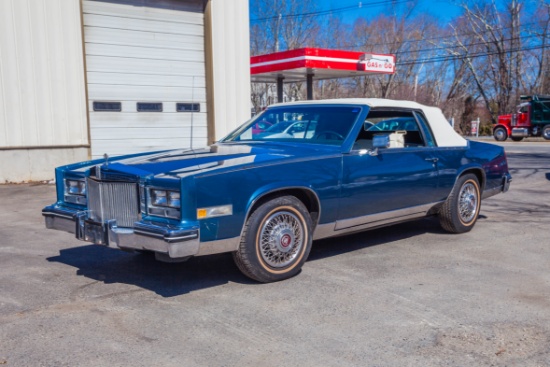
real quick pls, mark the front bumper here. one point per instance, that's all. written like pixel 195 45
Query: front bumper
pixel 173 241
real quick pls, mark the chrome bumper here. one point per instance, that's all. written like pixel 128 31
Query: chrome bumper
pixel 175 242
pixel 502 187
pixel 506 180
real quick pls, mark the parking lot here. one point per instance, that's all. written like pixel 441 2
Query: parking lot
pixel 405 295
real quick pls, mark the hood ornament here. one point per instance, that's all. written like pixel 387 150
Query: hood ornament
pixel 106 157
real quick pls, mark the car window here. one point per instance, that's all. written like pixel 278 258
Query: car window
pixel 263 125
pixel 314 124
pixel 401 127
pixel 524 109
pixel 425 127
pixel 296 127
pixel 279 127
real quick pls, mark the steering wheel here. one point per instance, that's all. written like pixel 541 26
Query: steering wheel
pixel 328 135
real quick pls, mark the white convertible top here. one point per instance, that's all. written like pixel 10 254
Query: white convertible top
pixel 444 134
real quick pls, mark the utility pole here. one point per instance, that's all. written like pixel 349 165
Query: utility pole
pixel 276 35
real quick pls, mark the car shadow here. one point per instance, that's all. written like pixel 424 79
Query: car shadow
pixel 141 269
pixel 173 279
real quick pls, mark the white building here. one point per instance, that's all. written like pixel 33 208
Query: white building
pixel 80 78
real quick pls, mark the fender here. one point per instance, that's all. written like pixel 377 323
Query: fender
pixel 506 127
pixel 281 186
pixel 475 168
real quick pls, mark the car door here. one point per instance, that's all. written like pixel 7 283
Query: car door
pixel 390 183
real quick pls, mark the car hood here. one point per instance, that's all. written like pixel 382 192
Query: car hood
pixel 218 157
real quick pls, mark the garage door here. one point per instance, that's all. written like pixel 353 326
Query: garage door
pixel 145 74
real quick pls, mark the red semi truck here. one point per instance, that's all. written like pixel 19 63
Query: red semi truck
pixel 531 119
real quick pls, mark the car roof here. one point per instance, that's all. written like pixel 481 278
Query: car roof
pixel 444 134
pixel 371 102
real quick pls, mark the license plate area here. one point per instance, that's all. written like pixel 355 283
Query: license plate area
pixel 94 232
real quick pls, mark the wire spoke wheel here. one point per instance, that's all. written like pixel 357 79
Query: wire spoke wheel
pixel 281 239
pixel 276 240
pixel 468 202
pixel 460 211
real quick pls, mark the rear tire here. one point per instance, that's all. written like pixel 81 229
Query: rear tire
pixel 276 240
pixel 546 132
pixel 460 211
pixel 500 134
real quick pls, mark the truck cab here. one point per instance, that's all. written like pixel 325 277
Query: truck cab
pixel 531 119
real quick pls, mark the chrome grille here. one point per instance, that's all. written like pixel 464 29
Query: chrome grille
pixel 113 200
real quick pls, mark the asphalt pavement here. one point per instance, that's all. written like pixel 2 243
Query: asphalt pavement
pixel 405 295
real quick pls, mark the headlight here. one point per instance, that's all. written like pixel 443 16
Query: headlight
pixel 158 197
pixel 164 203
pixel 174 199
pixel 75 191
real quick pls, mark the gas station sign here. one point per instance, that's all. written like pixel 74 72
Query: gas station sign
pixel 378 63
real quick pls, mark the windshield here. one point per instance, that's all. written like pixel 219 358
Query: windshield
pixel 313 124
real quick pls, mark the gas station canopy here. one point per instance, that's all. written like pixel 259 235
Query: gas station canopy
pixel 295 65
pixel 308 64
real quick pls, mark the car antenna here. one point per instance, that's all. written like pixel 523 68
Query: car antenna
pixel 192 111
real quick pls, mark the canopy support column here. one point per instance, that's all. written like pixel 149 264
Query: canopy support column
pixel 280 88
pixel 309 86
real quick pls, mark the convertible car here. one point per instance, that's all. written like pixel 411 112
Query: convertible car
pixel 356 164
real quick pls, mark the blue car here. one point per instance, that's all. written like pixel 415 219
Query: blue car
pixel 265 199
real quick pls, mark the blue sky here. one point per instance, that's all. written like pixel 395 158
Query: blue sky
pixel 441 9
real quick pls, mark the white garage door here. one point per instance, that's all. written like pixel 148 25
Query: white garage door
pixel 146 75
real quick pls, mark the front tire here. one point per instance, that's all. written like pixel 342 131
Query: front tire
pixel 500 134
pixel 546 132
pixel 460 211
pixel 276 240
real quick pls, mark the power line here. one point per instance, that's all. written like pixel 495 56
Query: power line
pixel 520 38
pixel 359 6
pixel 435 59
pixel 439 37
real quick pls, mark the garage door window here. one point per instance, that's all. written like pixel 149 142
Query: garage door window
pixel 149 107
pixel 188 107
pixel 107 106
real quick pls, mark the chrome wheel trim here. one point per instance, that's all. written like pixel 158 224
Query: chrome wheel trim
pixel 546 133
pixel 500 134
pixel 468 202
pixel 281 239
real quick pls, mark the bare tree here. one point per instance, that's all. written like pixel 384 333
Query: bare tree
pixel 481 62
pixel 540 59
pixel 490 44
